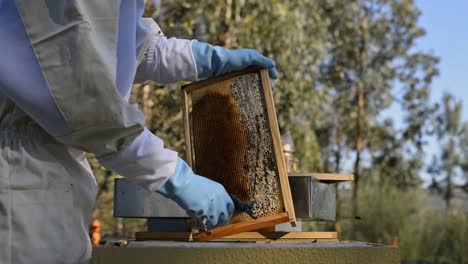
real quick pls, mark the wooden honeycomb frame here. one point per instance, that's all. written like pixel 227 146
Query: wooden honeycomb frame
pixel 284 214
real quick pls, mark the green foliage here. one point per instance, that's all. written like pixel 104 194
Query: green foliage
pixel 424 233
pixel 452 134
pixel 385 213
pixel 443 237
pixel 289 32
pixel 342 64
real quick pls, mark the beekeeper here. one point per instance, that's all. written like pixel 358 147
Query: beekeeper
pixel 66 71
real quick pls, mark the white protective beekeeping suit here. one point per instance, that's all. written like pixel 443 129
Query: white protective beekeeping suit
pixel 79 59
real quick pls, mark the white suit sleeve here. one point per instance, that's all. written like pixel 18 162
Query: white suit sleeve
pixel 168 61
pixel 143 160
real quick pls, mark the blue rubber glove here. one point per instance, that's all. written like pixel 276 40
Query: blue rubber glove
pixel 215 60
pixel 199 194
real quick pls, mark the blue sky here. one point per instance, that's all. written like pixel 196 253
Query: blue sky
pixel 446 24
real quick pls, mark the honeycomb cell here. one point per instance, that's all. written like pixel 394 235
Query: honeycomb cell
pixel 232 142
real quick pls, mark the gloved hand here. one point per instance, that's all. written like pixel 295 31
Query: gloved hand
pixel 199 194
pixel 214 60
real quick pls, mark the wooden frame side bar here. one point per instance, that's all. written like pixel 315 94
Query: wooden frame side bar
pixel 186 120
pixel 283 174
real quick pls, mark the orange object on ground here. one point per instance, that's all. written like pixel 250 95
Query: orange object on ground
pixel 95 228
pixel 395 241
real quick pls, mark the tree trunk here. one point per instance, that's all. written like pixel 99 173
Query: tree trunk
pixel 448 189
pixel 339 138
pixel 359 141
pixel 228 19
pixel 450 164
pixel 357 162
pixel 361 87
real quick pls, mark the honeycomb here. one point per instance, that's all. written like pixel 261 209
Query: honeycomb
pixel 232 142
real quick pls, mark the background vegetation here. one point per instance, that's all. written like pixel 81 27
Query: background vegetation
pixel 346 68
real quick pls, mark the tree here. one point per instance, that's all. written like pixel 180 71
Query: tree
pixel 451 133
pixel 370 52
pixel 289 32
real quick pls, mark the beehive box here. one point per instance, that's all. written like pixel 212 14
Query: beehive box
pixel 232 137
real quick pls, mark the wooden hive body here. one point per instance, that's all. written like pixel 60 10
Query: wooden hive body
pixel 232 137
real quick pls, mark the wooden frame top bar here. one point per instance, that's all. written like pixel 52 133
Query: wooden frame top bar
pixel 207 82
